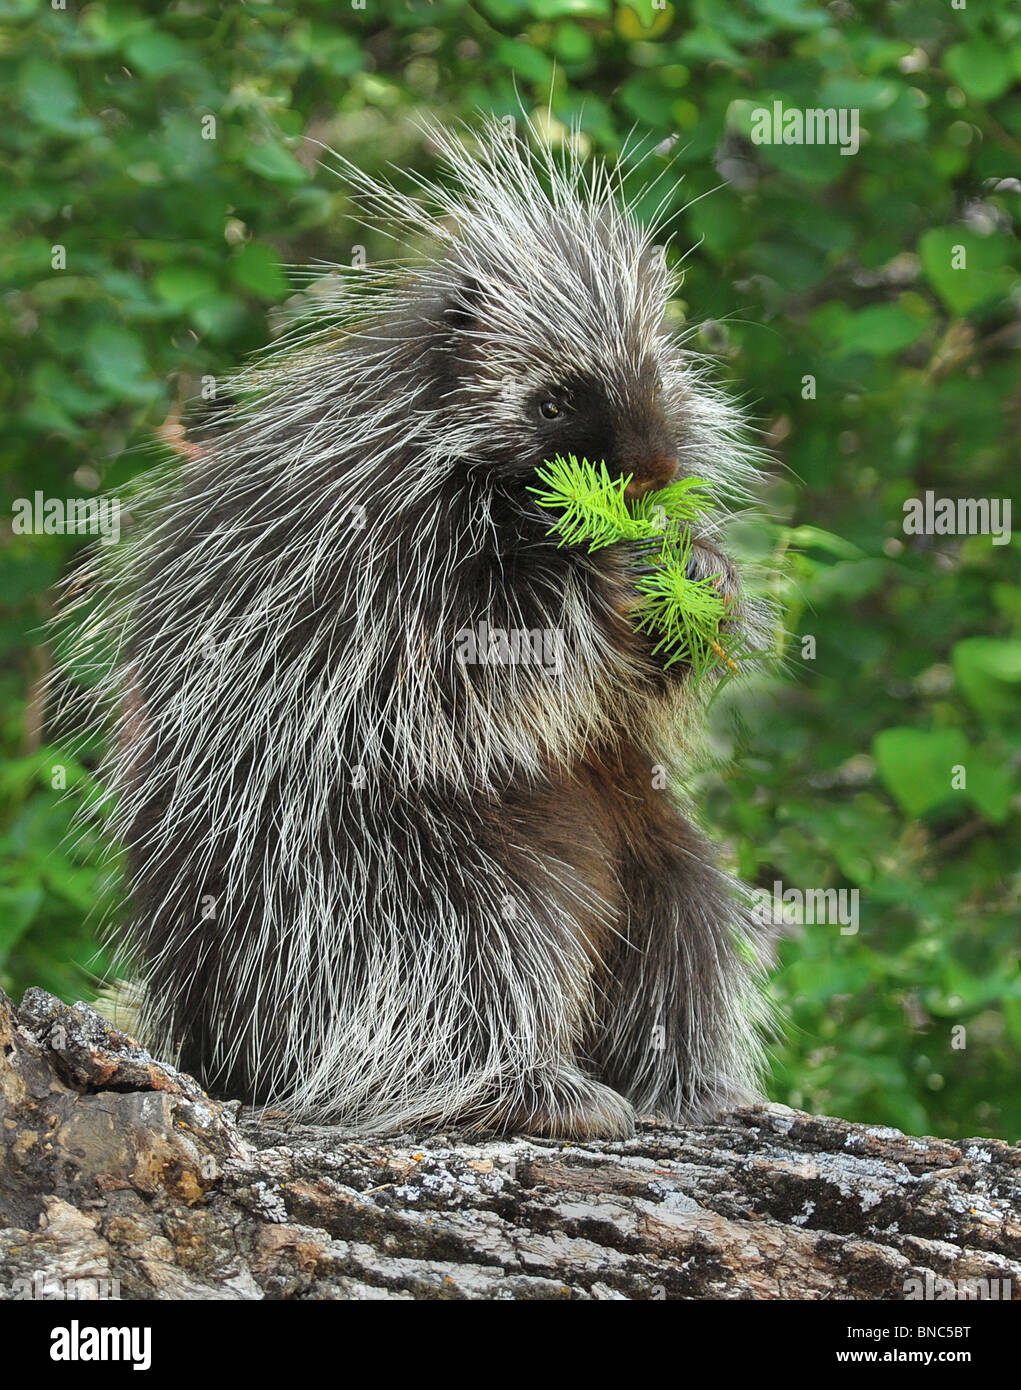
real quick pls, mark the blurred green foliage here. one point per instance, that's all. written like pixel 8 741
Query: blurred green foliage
pixel 800 263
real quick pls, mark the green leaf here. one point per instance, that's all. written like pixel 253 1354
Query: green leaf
pixel 980 66
pixel 793 14
pixel 846 581
pixel 982 278
pixel 155 54
pixel 861 93
pixel 527 61
pixel 916 765
pixel 884 329
pixel 574 9
pixel 645 97
pixel 275 163
pixel 572 43
pixel 990 786
pixel 115 360
pixel 340 54
pixel 256 268
pixel 51 382
pixel 183 285
pixel 505 11
pixel 988 670
pixel 221 316
pixel 815 538
pixel 48 95
pixel 719 221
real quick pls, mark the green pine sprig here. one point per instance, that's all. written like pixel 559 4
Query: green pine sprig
pixel 683 614
pixel 594 511
pixel 592 505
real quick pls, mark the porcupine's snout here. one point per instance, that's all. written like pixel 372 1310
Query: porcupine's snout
pixel 652 473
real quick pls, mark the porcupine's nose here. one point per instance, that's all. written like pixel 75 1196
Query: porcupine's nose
pixel 654 473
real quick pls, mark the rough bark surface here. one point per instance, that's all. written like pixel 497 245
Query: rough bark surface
pixel 116 1167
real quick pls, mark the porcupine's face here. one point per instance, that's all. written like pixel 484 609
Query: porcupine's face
pixel 566 351
pixel 577 415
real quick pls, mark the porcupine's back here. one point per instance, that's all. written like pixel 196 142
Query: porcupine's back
pixel 261 673
pixel 294 734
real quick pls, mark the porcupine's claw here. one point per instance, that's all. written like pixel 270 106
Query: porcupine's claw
pixel 706 562
pixel 569 1105
pixel 645 558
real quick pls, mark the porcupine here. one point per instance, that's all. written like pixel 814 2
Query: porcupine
pixel 372 882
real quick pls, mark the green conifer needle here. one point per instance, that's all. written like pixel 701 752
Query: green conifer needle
pixel 683 615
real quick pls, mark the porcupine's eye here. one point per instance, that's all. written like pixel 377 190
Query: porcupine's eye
pixel 550 410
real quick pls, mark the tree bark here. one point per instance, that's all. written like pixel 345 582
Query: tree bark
pixel 118 1171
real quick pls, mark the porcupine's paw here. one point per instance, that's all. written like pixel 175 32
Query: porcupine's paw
pixel 706 562
pixel 568 1105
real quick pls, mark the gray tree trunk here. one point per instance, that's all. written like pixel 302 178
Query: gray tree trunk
pixel 115 1167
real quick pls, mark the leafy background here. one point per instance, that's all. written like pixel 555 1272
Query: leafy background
pixel 835 773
